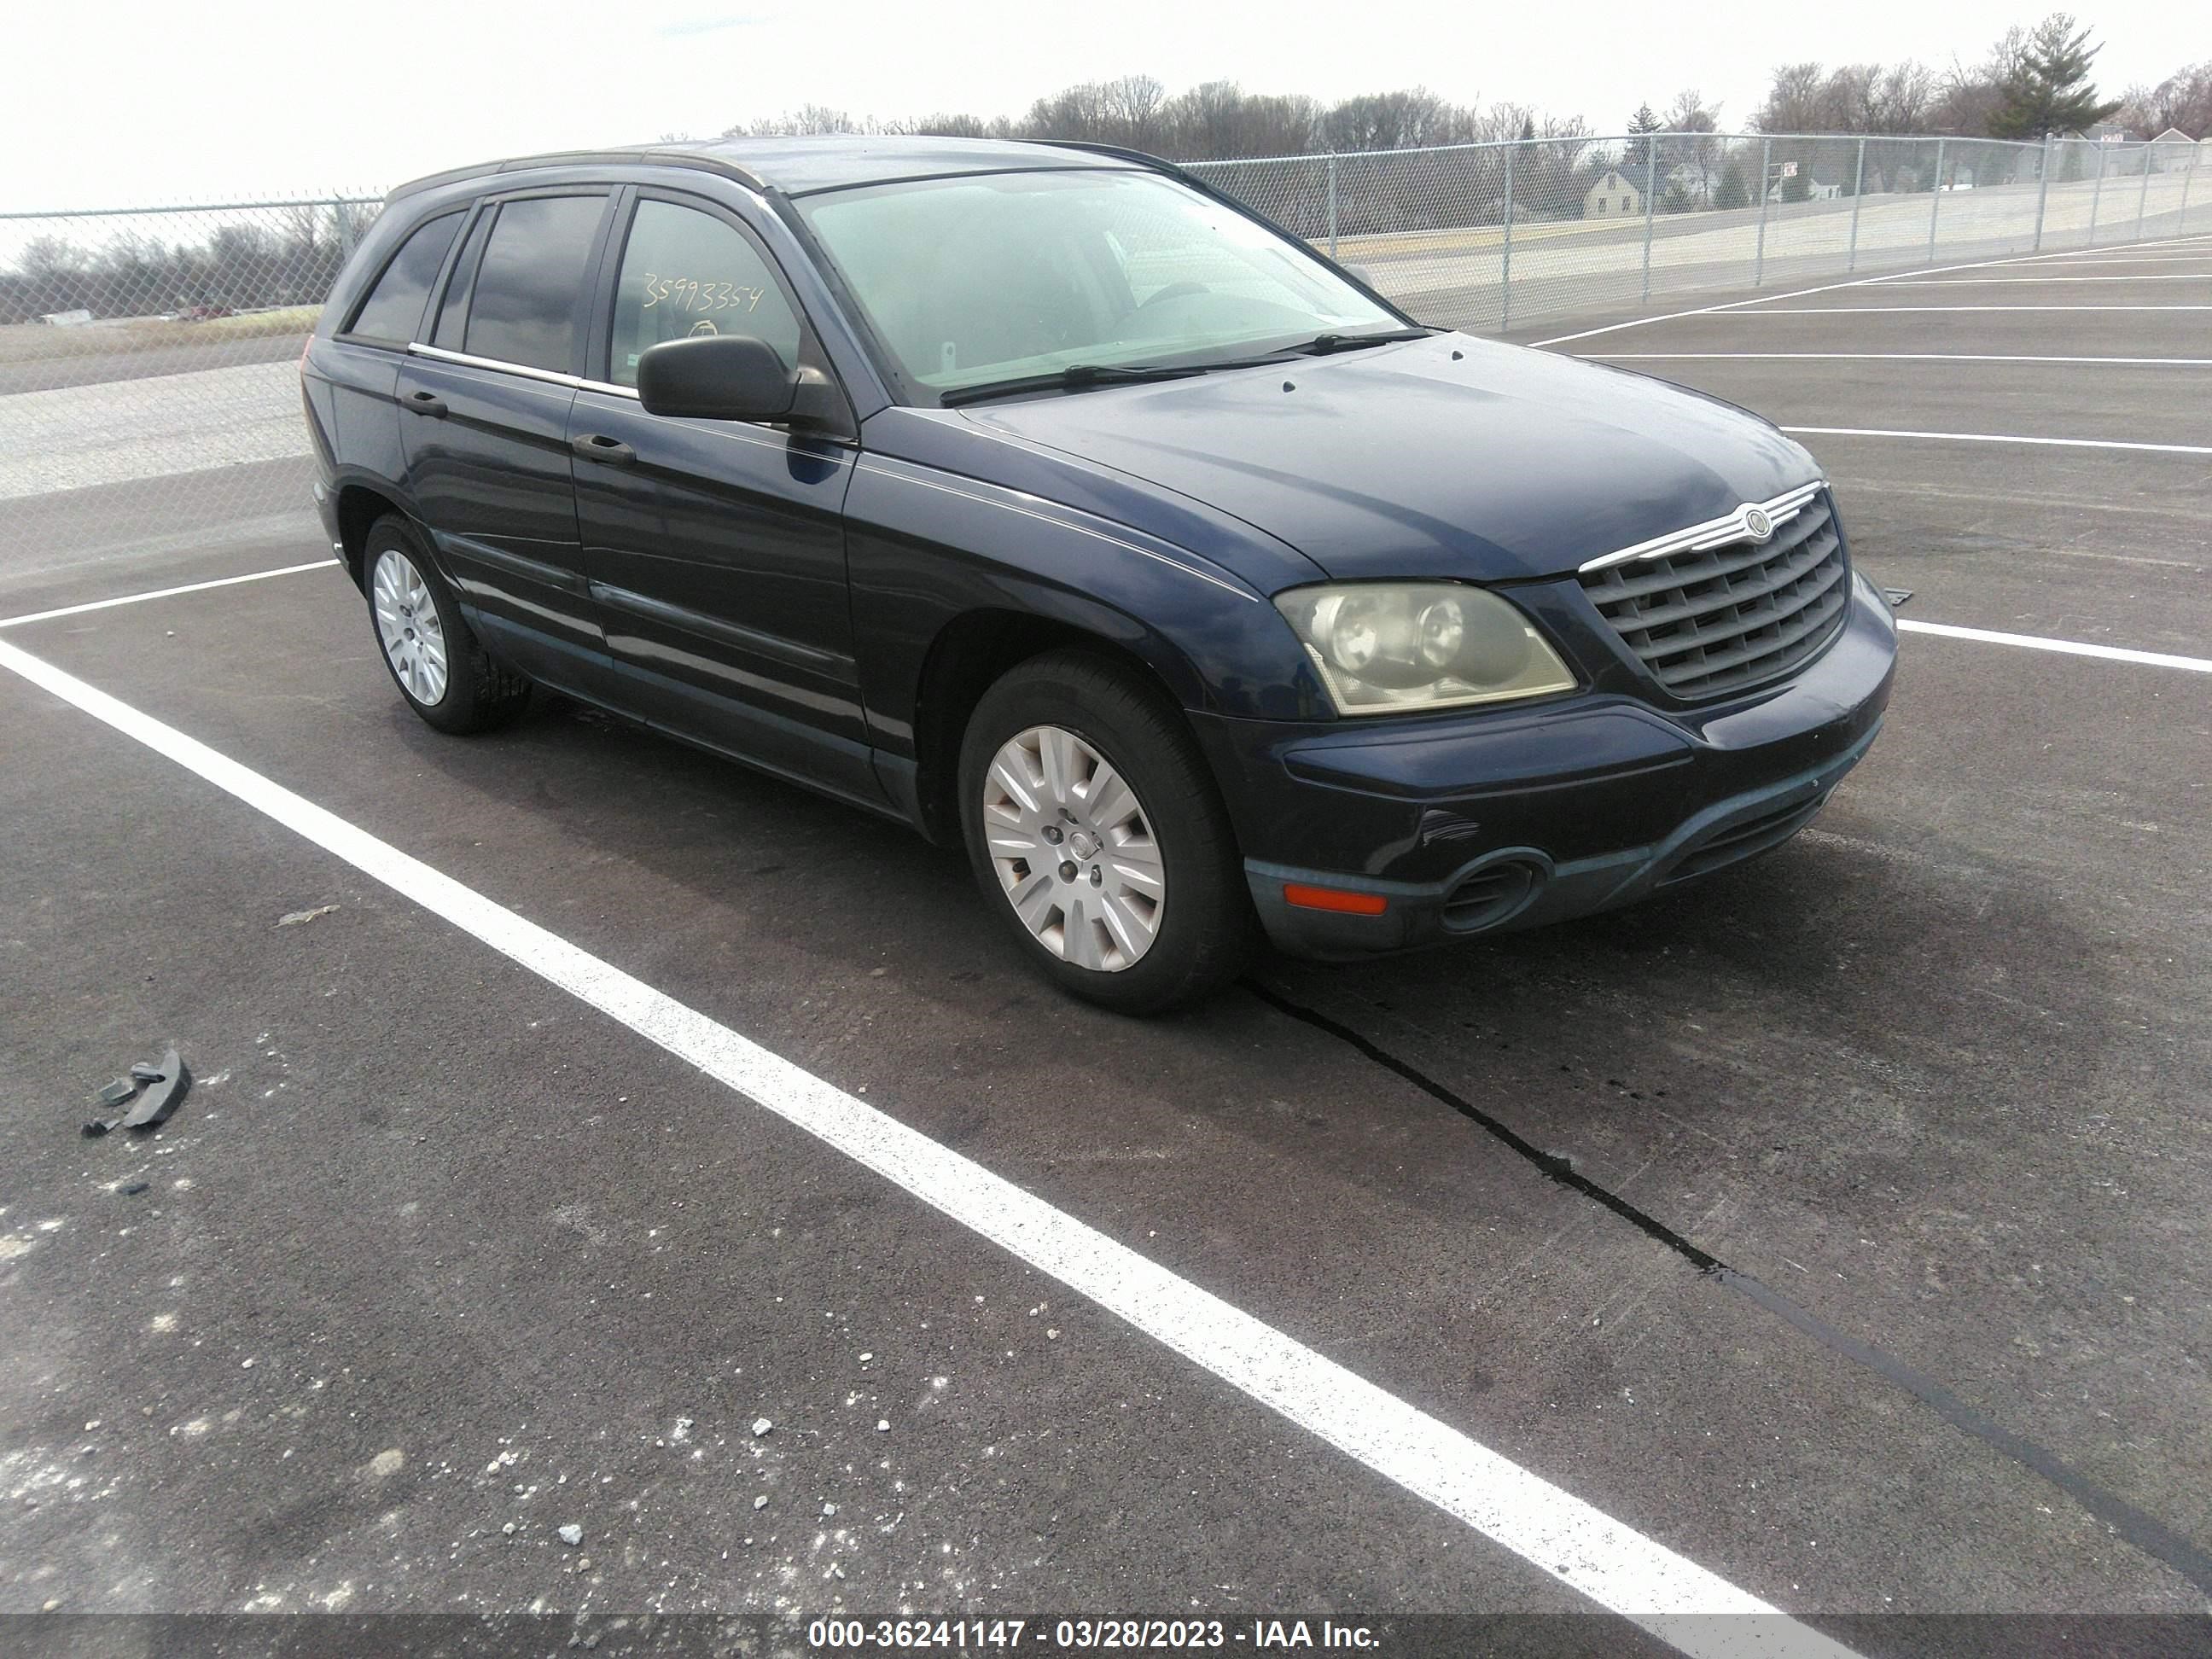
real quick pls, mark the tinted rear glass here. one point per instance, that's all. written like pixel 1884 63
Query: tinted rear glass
pixel 452 310
pixel 529 289
pixel 393 309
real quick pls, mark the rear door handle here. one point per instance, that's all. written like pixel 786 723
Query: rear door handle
pixel 426 402
pixel 611 451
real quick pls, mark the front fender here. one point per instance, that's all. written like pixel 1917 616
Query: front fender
pixel 925 547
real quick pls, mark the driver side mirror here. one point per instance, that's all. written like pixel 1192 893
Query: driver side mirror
pixel 716 377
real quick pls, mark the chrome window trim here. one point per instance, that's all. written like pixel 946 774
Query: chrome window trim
pixel 740 431
pixel 551 377
pixel 1734 526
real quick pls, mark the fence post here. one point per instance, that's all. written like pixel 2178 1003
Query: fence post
pixel 342 227
pixel 2142 195
pixel 1650 182
pixel 2188 174
pixel 1935 201
pixel 1858 191
pixel 2042 195
pixel 1758 257
pixel 1505 267
pixel 2098 194
pixel 1332 207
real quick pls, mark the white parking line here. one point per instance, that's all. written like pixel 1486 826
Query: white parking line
pixel 166 593
pixel 1875 311
pixel 2120 251
pixel 1997 438
pixel 1883 357
pixel 1824 288
pixel 2000 281
pixel 2068 648
pixel 1611 1562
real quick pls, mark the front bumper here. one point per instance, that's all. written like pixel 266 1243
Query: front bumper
pixel 1513 818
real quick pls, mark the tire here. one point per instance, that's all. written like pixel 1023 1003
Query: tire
pixel 430 650
pixel 1166 919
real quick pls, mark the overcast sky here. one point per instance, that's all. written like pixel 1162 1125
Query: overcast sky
pixel 129 102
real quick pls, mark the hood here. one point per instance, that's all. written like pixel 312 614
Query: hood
pixel 1446 457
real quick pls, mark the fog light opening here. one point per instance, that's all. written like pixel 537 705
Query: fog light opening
pixel 1491 894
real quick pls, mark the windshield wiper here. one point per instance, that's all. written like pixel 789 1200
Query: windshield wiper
pixel 1074 378
pixel 1077 376
pixel 1322 344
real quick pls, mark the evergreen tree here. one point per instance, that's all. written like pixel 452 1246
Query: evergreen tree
pixel 2049 90
pixel 1734 189
pixel 1639 147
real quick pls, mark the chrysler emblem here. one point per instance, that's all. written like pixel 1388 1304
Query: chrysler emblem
pixel 1756 521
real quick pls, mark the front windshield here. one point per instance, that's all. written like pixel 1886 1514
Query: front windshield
pixel 993 277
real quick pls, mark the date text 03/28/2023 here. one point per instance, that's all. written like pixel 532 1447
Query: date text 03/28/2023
pixel 1089 1635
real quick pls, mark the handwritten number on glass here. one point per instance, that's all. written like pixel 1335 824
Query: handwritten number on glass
pixel 688 294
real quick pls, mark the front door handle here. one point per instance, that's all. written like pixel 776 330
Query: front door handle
pixel 611 451
pixel 426 402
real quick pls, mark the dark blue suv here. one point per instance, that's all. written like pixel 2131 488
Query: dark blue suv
pixel 1049 500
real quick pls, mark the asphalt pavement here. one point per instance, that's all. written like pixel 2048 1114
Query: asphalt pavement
pixel 1839 1225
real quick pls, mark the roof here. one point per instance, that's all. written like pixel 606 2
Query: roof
pixel 833 161
pixel 2174 136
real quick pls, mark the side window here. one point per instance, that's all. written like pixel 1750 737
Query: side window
pixel 453 309
pixel 687 272
pixel 393 309
pixel 529 294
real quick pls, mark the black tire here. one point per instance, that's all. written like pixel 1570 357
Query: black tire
pixel 1205 927
pixel 479 693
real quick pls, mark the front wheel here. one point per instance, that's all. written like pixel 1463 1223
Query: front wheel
pixel 434 656
pixel 1097 836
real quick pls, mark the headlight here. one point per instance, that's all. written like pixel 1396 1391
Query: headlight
pixel 1386 648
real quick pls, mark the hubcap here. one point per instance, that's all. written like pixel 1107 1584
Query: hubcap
pixel 407 622
pixel 1073 850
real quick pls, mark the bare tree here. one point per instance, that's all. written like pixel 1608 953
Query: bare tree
pixel 1692 121
pixel 1795 100
pixel 2182 100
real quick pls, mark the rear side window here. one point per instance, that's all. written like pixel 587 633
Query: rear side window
pixel 452 310
pixel 529 296
pixel 393 309
pixel 687 272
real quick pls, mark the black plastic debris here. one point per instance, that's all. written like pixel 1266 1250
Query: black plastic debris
pixel 164 1091
pixel 164 1083
pixel 136 1188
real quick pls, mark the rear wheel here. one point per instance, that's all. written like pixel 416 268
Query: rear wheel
pixel 435 658
pixel 1097 836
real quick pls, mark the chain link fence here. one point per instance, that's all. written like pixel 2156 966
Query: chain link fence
pixel 148 389
pixel 1495 237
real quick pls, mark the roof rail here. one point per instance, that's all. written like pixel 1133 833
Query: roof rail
pixel 1121 151
pixel 705 160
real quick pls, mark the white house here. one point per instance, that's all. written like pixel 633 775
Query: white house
pixel 1694 182
pixel 2171 151
pixel 1613 198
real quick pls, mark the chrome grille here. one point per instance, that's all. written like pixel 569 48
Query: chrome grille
pixel 1706 622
